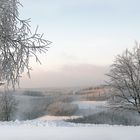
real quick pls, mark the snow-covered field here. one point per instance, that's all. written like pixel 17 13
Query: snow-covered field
pixel 54 128
pixel 90 107
pixel 59 130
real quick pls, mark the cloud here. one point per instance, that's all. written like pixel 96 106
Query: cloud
pixel 67 76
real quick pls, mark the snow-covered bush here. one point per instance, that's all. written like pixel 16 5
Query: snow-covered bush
pixel 109 117
pixel 8 106
pixel 62 109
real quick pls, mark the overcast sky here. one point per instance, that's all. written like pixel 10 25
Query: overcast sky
pixel 86 35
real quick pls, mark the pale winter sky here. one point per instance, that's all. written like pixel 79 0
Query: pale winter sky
pixel 86 35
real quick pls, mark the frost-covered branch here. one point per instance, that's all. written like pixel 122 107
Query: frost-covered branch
pixel 17 43
pixel 125 78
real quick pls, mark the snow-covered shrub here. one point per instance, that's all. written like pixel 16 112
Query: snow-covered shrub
pixel 8 106
pixel 62 109
pixel 109 117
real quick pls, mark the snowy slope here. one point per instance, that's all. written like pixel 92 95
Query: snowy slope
pixel 59 130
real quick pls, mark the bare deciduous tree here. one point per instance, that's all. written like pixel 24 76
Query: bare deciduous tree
pixel 17 43
pixel 125 79
pixel 17 46
pixel 7 106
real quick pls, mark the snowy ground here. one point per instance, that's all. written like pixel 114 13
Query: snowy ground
pixel 59 130
pixel 54 128
pixel 57 118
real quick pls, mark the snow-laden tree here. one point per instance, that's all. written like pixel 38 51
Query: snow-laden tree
pixel 125 79
pixel 17 43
